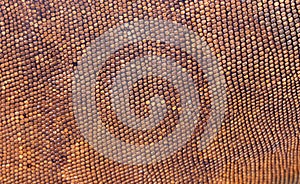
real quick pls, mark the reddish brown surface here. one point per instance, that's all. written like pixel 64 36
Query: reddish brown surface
pixel 257 43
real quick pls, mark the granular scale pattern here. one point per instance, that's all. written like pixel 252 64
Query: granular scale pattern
pixel 44 43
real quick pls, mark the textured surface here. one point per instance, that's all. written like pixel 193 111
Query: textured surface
pixel 256 43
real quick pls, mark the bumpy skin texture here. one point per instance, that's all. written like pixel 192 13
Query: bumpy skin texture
pixel 256 42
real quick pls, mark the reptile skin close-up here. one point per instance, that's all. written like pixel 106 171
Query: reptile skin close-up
pixel 149 91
